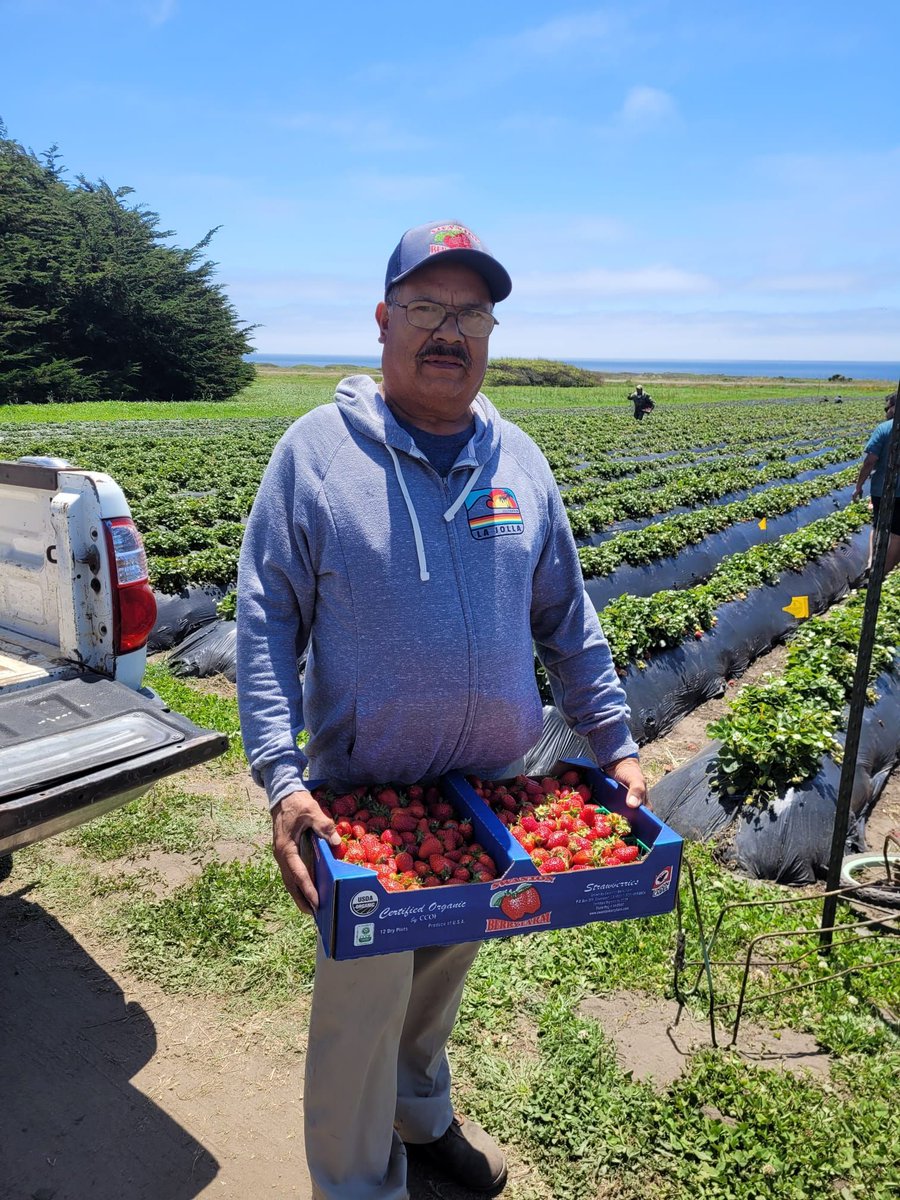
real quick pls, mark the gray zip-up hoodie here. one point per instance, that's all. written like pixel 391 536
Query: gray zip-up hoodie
pixel 417 599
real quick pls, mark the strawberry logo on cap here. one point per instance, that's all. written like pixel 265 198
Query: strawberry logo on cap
pixel 453 237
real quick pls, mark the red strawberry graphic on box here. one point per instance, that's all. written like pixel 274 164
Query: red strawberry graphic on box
pixel 517 903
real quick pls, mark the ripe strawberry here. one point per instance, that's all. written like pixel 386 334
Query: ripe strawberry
pixel 570 778
pixel 358 830
pixel 461 875
pixel 361 816
pixel 441 866
pixel 442 811
pixel 556 839
pixel 431 881
pixel 629 854
pixel 391 837
pixel 428 846
pixel 372 847
pixel 465 830
pixel 549 785
pixel 344 806
pixel 403 821
pixel 355 854
pixel 388 797
pixel 553 865
pixel 529 824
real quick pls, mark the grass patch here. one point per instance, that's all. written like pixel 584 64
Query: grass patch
pixel 233 930
pixel 588 1130
pixel 168 819
pixel 202 707
pixel 290 393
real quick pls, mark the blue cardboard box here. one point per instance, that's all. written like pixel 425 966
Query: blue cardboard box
pixel 358 917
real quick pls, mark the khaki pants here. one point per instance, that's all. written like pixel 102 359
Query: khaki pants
pixel 376 1067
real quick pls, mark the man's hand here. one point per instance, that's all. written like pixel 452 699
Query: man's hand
pixel 628 771
pixel 857 493
pixel 291 817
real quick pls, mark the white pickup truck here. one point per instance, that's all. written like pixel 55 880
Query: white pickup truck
pixel 78 734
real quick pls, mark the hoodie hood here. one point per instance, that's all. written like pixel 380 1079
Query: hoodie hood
pixel 365 408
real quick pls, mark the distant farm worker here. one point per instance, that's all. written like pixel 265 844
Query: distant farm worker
pixel 416 543
pixel 642 401
pixel 875 464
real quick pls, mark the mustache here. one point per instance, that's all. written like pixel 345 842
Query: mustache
pixel 439 349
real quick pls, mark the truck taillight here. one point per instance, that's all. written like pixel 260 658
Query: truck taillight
pixel 134 605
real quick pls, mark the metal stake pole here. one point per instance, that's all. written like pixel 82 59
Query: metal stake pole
pixel 860 684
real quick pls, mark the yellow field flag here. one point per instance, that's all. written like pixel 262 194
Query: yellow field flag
pixel 763 523
pixel 798 607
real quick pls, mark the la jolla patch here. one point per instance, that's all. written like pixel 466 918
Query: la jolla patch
pixel 493 512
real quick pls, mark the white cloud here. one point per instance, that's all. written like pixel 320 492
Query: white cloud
pixel 558 36
pixel 639 281
pixel 812 282
pixel 159 11
pixel 641 335
pixel 646 106
pixel 357 131
pixel 402 189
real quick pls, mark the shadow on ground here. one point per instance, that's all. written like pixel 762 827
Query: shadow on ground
pixel 73 1125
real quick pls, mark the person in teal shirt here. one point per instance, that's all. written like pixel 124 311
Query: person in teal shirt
pixel 875 464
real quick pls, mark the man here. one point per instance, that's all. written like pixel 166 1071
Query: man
pixel 415 543
pixel 642 401
pixel 875 464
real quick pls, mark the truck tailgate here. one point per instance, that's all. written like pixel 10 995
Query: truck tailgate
pixel 75 747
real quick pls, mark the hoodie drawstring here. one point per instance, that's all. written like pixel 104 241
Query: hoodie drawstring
pixel 455 506
pixel 414 520
pixel 413 516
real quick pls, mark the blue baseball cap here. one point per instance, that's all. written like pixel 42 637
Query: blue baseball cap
pixel 419 246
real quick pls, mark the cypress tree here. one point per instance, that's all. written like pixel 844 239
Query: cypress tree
pixel 95 305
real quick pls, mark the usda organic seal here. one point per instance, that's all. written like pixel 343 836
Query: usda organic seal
pixel 363 903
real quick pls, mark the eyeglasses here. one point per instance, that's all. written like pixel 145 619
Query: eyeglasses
pixel 428 314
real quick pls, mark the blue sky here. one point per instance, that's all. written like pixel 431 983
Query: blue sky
pixel 663 179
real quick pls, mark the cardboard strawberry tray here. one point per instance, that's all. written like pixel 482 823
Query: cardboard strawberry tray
pixel 361 913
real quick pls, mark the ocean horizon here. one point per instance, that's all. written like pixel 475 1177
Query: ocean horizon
pixel 765 368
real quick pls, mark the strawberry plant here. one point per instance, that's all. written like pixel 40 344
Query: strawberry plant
pixel 777 730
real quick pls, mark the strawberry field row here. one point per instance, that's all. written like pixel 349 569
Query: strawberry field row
pixel 693 486
pixel 638 626
pixel 667 537
pixel 777 730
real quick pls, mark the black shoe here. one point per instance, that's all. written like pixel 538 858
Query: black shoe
pixel 468 1155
